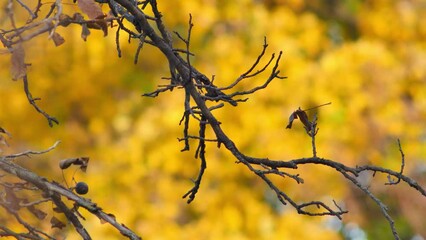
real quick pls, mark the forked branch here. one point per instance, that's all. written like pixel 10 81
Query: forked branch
pixel 52 193
pixel 201 89
pixel 200 92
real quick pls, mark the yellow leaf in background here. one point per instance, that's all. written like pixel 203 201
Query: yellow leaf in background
pixel 375 81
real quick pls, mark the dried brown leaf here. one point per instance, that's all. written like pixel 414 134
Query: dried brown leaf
pixel 65 20
pixel 58 210
pixel 56 223
pixel 11 199
pixel 85 32
pixel 85 162
pixel 19 68
pixel 37 212
pixel 81 161
pixel 57 39
pixel 302 116
pixel 91 8
pixel 78 17
pixel 101 24
pixel 291 119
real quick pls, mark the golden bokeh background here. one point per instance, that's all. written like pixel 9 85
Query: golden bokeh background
pixel 366 57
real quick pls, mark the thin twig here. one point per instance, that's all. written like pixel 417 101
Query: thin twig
pixel 392 182
pixel 382 206
pixel 31 152
pixel 140 45
pixel 200 152
pixel 51 120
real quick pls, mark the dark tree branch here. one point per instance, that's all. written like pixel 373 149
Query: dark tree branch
pixel 392 182
pixel 51 120
pixel 379 203
pixel 54 191
pixel 200 152
pixel 186 71
pixel 199 90
pixel 71 216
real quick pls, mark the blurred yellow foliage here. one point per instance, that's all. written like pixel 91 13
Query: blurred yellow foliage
pixel 374 74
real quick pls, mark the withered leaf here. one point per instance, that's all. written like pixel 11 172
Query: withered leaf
pixel 58 210
pixel 37 212
pixel 81 161
pixel 302 116
pixel 91 8
pixel 291 119
pixel 85 162
pixel 78 17
pixel 11 199
pixel 57 39
pixel 56 223
pixel 19 68
pixel 64 20
pixel 66 163
pixel 93 25
pixel 103 24
pixel 85 32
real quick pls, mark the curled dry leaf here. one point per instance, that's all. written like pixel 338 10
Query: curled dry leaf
pixel 94 11
pixel 100 24
pixel 11 199
pixel 85 32
pixel 103 24
pixel 56 223
pixel 57 210
pixel 81 161
pixel 57 39
pixel 302 116
pixel 19 68
pixel 91 8
pixel 40 215
pixel 65 20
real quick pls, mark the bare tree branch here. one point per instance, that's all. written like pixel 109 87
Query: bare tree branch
pixel 199 92
pixel 53 191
